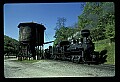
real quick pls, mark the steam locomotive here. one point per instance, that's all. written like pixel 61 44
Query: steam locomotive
pixel 80 50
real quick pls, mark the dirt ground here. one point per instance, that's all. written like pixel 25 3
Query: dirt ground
pixel 51 68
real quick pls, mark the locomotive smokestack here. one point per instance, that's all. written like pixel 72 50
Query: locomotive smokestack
pixel 85 32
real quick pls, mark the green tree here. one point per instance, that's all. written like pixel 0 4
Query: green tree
pixel 62 32
pixel 60 23
pixel 99 18
pixel 10 45
pixel 110 31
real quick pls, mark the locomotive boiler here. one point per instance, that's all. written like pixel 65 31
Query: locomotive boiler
pixel 81 50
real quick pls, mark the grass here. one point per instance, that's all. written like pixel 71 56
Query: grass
pixel 104 44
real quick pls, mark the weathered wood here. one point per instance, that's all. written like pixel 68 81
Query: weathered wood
pixel 30 35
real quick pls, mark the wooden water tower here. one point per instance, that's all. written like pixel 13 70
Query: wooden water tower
pixel 31 40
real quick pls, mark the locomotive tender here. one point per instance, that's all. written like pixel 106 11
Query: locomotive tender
pixel 77 50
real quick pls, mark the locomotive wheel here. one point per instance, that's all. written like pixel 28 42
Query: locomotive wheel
pixel 88 63
pixel 73 57
pixel 63 57
pixel 96 63
pixel 55 57
pixel 78 61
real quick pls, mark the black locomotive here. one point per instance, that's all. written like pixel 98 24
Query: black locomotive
pixel 77 50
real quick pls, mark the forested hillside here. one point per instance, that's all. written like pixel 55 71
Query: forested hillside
pixel 98 17
pixel 10 46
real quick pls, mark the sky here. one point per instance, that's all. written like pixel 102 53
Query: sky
pixel 45 13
